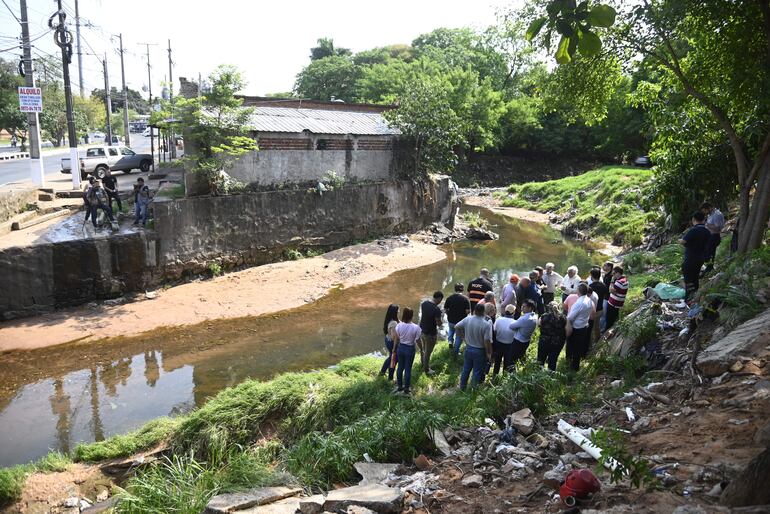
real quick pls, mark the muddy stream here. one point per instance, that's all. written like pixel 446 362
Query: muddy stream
pixel 54 398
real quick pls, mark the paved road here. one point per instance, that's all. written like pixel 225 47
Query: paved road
pixel 18 170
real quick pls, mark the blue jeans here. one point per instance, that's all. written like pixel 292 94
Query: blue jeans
pixel 405 356
pixel 475 359
pixel 141 213
pixel 603 318
pixel 455 341
pixel 95 210
pixel 386 364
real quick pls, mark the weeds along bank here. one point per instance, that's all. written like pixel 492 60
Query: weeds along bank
pixel 612 202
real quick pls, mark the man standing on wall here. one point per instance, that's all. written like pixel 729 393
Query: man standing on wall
pixel 430 320
pixel 478 287
pixel 695 243
pixel 110 183
pixel 715 222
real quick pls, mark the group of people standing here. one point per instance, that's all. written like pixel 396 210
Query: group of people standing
pixel 497 329
pixel 100 193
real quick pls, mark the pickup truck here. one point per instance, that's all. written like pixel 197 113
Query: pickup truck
pixel 117 158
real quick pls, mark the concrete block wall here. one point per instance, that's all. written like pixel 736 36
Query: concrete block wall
pixel 12 202
pixel 298 158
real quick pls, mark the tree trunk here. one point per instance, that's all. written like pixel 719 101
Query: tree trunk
pixel 753 218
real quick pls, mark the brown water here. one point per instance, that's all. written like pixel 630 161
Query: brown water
pixel 54 398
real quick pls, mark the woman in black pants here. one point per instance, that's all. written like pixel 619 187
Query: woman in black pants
pixel 389 329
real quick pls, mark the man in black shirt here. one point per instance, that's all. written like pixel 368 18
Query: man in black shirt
pixel 602 292
pixel 430 320
pixel 478 287
pixel 695 243
pixel 457 307
pixel 110 183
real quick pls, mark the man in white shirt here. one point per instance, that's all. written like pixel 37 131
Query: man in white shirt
pixel 552 281
pixel 569 283
pixel 580 313
pixel 523 328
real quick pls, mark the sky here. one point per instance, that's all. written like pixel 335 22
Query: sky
pixel 268 41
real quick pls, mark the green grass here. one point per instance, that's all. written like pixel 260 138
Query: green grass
pixel 147 437
pixel 606 203
pixel 474 220
pixel 11 482
pixel 54 462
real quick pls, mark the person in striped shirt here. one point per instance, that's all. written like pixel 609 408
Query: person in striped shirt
pixel 618 291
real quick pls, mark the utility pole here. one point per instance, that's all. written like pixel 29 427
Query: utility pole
pixel 126 130
pixel 149 89
pixel 63 39
pixel 33 126
pixel 80 53
pixel 171 136
pixel 107 100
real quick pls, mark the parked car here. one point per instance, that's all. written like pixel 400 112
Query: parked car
pixel 117 158
pixel 643 161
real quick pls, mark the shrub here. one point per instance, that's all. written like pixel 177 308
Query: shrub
pixel 11 482
pixel 54 462
pixel 150 435
pixel 215 269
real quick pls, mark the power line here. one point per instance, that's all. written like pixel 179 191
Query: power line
pixel 11 11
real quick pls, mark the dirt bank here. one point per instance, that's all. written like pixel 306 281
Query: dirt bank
pixel 252 292
pixel 493 204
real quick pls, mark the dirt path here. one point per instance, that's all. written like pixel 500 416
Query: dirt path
pixel 251 292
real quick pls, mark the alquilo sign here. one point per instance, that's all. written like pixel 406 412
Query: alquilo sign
pixel 30 99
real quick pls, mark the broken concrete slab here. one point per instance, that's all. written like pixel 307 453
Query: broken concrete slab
pixel 441 443
pixel 377 497
pixel 747 340
pixel 523 421
pixel 285 506
pixel 104 506
pixel 473 481
pixel 312 504
pixel 374 472
pixel 232 502
pixel 357 509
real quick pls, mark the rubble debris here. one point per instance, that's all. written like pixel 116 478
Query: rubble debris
pixel 378 497
pixel 441 443
pixel 523 421
pixel 373 472
pixel 231 502
pixel 579 439
pixel 747 339
pixel 750 486
pixel 422 462
pixel 630 414
pixel 473 481
pixel 312 504
pixel 579 484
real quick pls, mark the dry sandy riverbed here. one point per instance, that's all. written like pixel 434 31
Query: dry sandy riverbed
pixel 251 292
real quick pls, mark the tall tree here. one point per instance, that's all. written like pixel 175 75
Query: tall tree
pixel 715 54
pixel 11 119
pixel 326 48
pixel 333 76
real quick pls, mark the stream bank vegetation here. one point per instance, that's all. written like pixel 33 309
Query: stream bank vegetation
pixel 611 202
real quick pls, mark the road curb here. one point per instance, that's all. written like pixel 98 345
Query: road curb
pixel 12 156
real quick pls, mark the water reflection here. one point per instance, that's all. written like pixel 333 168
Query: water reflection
pixel 57 397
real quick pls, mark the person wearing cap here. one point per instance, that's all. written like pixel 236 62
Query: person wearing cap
pixel 456 308
pixel 478 287
pixel 552 283
pixel 523 328
pixel 569 283
pixel 502 347
pixel 508 294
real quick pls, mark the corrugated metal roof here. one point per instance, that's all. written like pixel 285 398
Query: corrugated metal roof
pixel 317 121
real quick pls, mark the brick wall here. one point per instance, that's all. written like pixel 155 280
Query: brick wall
pixel 323 143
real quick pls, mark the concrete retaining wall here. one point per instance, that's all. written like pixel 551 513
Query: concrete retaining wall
pixel 42 277
pixel 252 229
pixel 12 202
pixel 234 231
